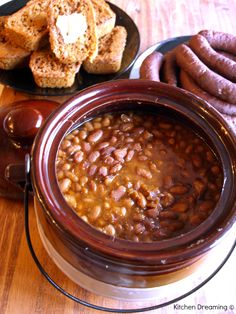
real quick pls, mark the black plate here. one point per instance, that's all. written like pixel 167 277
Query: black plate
pixel 22 79
pixel 163 47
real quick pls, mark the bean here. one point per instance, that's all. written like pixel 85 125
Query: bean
pixel 175 226
pixel 128 203
pixel 120 153
pixel 196 219
pixel 93 156
pixel 95 136
pixel 94 213
pixel 147 153
pixel 200 186
pixel 107 205
pixel 69 137
pixel 121 211
pixel 152 212
pixel 92 170
pixel 71 200
pixel 72 176
pixel 139 228
pixel 167 214
pixel 167 199
pixel 126 127
pixel 85 218
pixel 142 158
pixel 97 125
pixel 137 131
pixel 129 155
pixel 93 186
pixel 107 150
pixel 153 167
pixel 73 149
pixel 189 149
pixel 109 160
pixel 60 175
pixel 109 230
pixel 178 189
pixel 88 126
pixel 65 144
pixel 118 193
pixel 168 181
pixel 113 140
pixel 65 184
pixel 76 140
pixel 180 207
pixel 147 135
pixel 103 145
pixel 98 119
pixel 83 180
pixel 66 166
pixel 86 147
pixel 215 169
pixel 108 180
pixel 82 134
pixel 209 156
pixel 78 157
pixel 144 173
pixel 141 200
pixel 138 217
pixel 116 168
pixel 103 171
pixel 125 118
pixel 129 140
pixel 197 161
pixel 137 147
pixel 165 126
pixel 77 187
pixel 206 206
pixel 85 165
pixel 106 122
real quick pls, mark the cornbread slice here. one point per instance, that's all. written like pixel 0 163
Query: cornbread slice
pixel 27 28
pixel 50 72
pixel 105 17
pixel 72 30
pixel 12 57
pixel 110 53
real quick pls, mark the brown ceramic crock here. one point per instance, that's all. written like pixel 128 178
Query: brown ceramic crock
pixel 115 261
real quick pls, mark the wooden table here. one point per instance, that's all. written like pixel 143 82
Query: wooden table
pixel 22 287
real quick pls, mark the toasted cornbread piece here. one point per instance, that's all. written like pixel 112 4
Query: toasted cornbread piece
pixel 105 17
pixel 2 28
pixel 50 72
pixel 27 28
pixel 110 52
pixel 12 57
pixel 72 30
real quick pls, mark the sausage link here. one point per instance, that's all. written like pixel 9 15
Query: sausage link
pixel 207 79
pixel 220 40
pixel 211 58
pixel 189 84
pixel 150 66
pixel 169 68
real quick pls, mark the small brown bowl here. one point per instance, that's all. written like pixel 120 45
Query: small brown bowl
pixel 114 262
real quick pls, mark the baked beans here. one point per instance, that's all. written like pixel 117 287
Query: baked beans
pixel 138 177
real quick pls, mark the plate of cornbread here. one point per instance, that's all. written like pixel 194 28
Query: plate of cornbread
pixel 58 47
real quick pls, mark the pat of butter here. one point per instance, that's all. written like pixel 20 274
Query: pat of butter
pixel 71 27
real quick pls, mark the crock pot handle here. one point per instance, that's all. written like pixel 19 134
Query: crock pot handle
pixel 82 302
pixel 15 173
